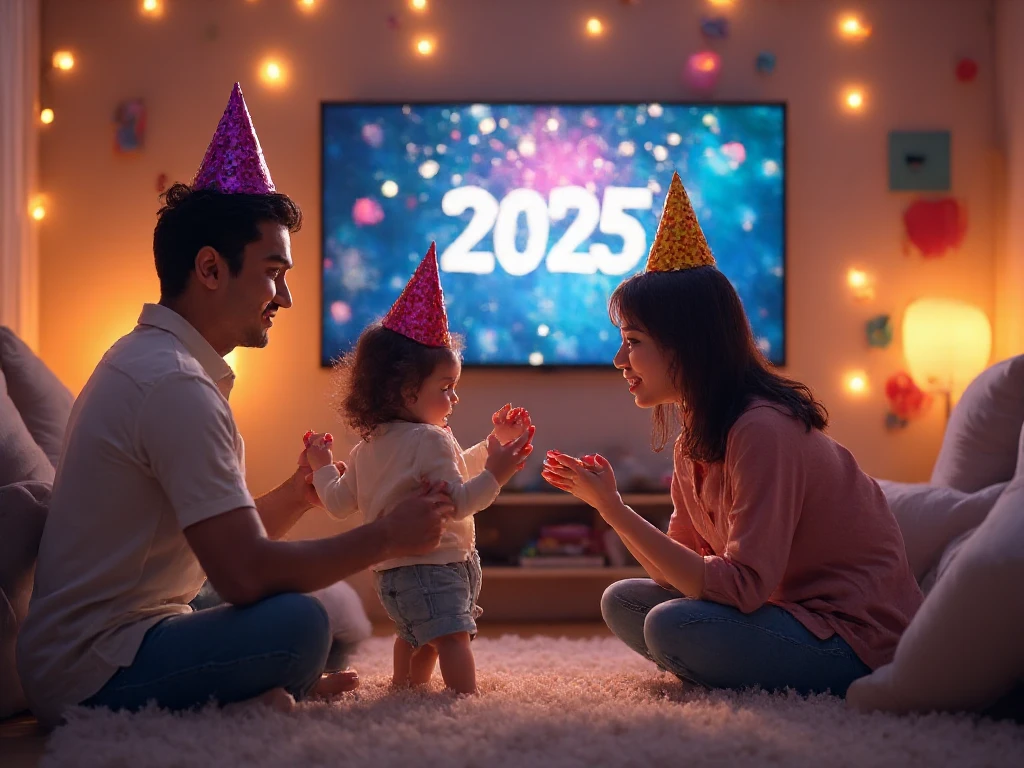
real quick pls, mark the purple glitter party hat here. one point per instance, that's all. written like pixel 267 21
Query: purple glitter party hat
pixel 419 313
pixel 234 161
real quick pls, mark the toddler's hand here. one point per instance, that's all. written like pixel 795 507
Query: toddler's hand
pixel 318 449
pixel 509 423
pixel 503 461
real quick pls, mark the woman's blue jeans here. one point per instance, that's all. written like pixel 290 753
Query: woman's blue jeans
pixel 224 653
pixel 717 646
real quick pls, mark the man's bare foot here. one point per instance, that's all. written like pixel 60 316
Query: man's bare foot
pixel 336 683
pixel 277 698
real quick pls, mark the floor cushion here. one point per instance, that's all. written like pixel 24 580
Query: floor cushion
pixel 963 650
pixel 23 509
pixel 42 400
pixel 979 447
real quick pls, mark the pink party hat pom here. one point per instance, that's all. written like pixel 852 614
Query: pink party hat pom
pixel 419 313
pixel 234 160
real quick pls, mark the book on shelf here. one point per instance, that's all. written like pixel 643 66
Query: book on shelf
pixel 562 561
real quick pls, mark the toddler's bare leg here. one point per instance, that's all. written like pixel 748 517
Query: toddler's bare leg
pixel 457 665
pixel 424 659
pixel 403 661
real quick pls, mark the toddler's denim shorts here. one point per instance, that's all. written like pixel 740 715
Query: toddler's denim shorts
pixel 430 601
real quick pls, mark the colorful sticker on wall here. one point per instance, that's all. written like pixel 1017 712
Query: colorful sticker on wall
pixel 129 126
pixel 966 70
pixel 919 161
pixel 714 27
pixel 765 62
pixel 702 71
pixel 934 227
pixel 879 331
pixel 907 401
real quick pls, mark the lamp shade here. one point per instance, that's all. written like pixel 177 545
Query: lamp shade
pixel 946 343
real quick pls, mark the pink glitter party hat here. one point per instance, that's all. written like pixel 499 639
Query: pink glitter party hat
pixel 419 312
pixel 234 161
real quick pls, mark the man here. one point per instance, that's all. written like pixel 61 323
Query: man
pixel 150 498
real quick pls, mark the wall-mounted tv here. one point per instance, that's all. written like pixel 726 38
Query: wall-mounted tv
pixel 539 210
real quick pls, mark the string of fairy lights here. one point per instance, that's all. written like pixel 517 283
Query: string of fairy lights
pixel 273 72
pixel 700 74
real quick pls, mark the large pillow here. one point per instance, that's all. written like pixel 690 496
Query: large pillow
pixel 979 448
pixel 963 650
pixel 43 401
pixel 23 508
pixel 930 517
pixel 21 458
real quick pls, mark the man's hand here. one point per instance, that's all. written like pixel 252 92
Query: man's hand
pixel 509 423
pixel 414 525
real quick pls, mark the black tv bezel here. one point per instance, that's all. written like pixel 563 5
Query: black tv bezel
pixel 553 367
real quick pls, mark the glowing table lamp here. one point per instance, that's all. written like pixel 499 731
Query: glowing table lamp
pixel 946 344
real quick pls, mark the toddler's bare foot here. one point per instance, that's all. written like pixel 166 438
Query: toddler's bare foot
pixel 336 683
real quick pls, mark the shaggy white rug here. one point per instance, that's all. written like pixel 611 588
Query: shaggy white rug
pixel 543 702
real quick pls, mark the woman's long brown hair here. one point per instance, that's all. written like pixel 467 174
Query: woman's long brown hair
pixel 697 317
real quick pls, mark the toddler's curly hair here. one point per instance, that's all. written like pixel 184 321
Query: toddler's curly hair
pixel 383 370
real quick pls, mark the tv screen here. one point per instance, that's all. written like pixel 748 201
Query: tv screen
pixel 539 211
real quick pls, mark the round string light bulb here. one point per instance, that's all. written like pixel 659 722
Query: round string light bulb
pixel 63 60
pixel 856 383
pixel 852 28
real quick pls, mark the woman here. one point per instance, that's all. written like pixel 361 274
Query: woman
pixel 782 566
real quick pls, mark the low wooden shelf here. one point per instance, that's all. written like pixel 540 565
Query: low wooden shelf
pixel 548 593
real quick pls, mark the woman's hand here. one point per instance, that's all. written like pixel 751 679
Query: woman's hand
pixel 590 479
pixel 509 423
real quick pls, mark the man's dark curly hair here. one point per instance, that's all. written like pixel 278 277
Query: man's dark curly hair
pixel 376 377
pixel 191 219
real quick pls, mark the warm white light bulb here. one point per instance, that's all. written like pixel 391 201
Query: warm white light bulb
pixel 63 60
pixel 418 5
pixel 272 72
pixel 857 382
pixel 594 27
pixel 852 28
pixel 424 47
pixel 46 116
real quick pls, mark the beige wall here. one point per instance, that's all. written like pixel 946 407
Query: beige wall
pixel 95 244
pixel 1009 337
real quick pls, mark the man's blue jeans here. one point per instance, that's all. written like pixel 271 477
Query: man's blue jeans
pixel 225 653
pixel 717 646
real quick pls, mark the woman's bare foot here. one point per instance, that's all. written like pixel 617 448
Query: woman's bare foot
pixel 336 683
